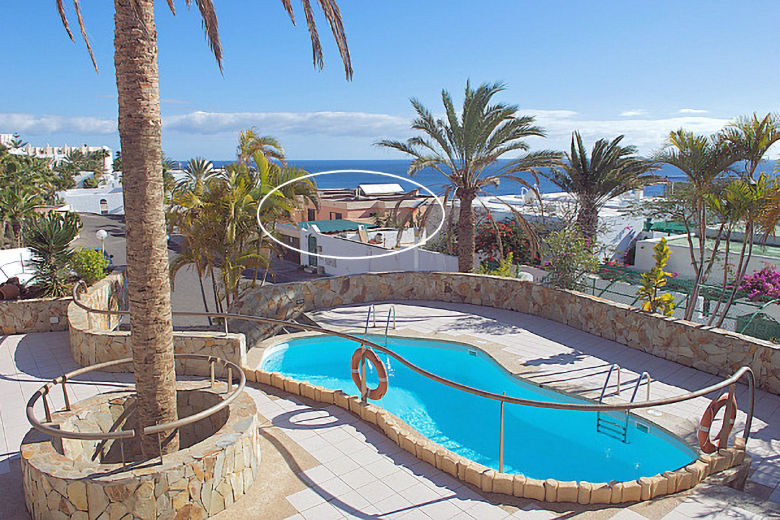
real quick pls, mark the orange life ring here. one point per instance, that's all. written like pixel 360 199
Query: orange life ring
pixel 706 444
pixel 369 355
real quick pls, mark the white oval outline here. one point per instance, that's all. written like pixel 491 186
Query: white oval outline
pixel 365 257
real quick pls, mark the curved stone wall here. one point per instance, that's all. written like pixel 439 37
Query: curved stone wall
pixel 196 482
pixel 93 338
pixel 709 349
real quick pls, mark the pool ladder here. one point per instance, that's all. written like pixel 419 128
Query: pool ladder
pixel 615 426
pixel 372 312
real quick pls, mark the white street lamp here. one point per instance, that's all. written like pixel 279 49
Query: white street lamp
pixel 101 235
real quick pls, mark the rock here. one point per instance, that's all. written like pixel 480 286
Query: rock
pixel 97 500
pixel 190 512
pixel 77 494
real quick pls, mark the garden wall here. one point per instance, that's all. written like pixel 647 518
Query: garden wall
pixel 35 315
pixel 93 338
pixel 709 349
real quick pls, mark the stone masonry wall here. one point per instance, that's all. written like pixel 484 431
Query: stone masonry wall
pixel 194 483
pixel 93 341
pixel 36 315
pixel 710 349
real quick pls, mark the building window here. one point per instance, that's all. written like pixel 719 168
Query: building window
pixel 335 216
pixel 311 215
pixel 103 207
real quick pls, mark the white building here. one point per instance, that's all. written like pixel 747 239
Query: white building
pixel 680 257
pixel 106 199
pixel 57 153
pixel 364 250
pixel 616 228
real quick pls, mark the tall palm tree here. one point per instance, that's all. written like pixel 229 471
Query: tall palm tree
pixel 462 147
pixel 704 161
pixel 137 78
pixel 750 138
pixel 610 171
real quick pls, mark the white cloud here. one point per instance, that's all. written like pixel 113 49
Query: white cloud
pixel 29 124
pixel 692 111
pixel 648 135
pixel 358 124
pixel 633 113
pixel 320 133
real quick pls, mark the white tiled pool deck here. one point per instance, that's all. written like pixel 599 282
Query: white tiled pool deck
pixel 359 473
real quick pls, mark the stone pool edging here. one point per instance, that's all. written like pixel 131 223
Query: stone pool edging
pixel 489 480
pixel 93 338
pixel 195 482
pixel 716 351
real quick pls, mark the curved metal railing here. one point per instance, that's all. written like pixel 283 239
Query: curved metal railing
pixel 743 372
pixel 44 391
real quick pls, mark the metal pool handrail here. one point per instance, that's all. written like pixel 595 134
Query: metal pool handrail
pixel 734 378
pixel 744 371
pixel 127 434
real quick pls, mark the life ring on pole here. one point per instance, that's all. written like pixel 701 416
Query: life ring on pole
pixel 706 444
pixel 369 355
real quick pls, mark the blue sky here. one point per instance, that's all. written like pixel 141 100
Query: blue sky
pixel 605 68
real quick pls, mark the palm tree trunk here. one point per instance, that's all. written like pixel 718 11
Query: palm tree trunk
pixel 148 282
pixel 588 219
pixel 202 290
pixel 466 231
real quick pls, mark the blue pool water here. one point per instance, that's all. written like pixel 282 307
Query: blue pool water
pixel 539 443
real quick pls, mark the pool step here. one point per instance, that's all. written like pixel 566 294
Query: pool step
pixel 612 426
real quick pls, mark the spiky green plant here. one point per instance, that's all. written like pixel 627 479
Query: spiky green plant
pixel 49 237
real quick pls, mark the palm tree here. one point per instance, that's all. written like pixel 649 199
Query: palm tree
pixel 704 160
pixel 748 202
pixel 17 205
pixel 750 138
pixel 196 173
pixel 148 285
pixel 610 171
pixel 462 147
pixel 250 143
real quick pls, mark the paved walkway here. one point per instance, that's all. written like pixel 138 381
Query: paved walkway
pixel 322 462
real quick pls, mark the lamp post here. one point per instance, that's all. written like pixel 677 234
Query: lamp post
pixel 101 235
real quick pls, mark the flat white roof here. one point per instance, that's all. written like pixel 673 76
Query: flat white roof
pixel 380 189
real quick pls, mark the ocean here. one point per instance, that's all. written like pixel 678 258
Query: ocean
pixel 434 180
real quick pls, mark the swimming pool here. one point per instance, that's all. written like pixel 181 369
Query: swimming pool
pixel 539 443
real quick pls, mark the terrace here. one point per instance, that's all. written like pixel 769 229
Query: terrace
pixel 327 463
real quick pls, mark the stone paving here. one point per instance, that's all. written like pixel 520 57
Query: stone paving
pixel 359 473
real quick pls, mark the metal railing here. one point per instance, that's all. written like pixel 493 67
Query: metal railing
pixel 606 382
pixel 730 382
pixel 371 311
pixel 120 435
pixel 646 377
pixel 390 312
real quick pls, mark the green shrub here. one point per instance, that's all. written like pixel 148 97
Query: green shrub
pixel 90 182
pixel 90 265
pixel 571 256
pixel 505 267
